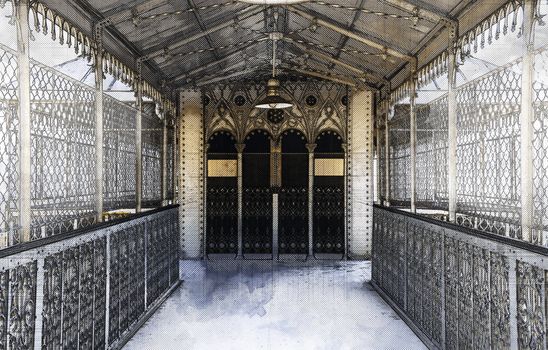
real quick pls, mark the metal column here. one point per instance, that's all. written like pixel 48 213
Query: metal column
pixel 311 147
pixel 526 123
pixel 138 144
pixel 452 131
pixel 99 125
pixel 240 149
pixel 413 140
pixel 387 158
pixel 164 161
pixel 23 79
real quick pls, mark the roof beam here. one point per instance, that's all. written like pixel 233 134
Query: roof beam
pixel 242 15
pixel 315 53
pixel 214 62
pixel 127 14
pixel 419 11
pixel 232 75
pixel 323 76
pixel 339 29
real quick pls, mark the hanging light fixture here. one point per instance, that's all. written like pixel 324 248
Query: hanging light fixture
pixel 273 100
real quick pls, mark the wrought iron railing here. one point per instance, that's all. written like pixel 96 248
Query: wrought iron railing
pixel 88 289
pixel 460 288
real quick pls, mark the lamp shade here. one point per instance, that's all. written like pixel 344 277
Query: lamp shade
pixel 273 100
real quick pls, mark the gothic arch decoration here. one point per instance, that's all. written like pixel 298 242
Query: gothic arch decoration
pixel 328 112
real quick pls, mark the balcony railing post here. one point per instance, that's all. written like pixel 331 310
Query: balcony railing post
pixel 39 303
pixel 99 124
pixel 413 139
pixel 452 129
pixel 107 290
pixel 526 124
pixel 138 143
pixel 24 109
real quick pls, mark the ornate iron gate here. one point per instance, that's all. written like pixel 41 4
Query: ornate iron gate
pixel 222 195
pixel 293 195
pixel 257 194
pixel 329 203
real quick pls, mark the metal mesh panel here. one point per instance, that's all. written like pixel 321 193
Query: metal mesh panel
pixel 400 186
pixel 119 154
pixel 63 153
pixel 540 146
pixel 488 151
pixel 432 154
pixel 9 151
pixel 152 159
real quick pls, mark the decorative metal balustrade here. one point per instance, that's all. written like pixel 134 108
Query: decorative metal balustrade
pixel 460 288
pixel 63 154
pixel 90 289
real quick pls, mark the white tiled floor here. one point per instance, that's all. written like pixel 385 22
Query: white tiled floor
pixel 265 305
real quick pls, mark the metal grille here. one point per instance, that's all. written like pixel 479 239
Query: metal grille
pixel 152 159
pixel 119 154
pixel 400 186
pixel 63 153
pixel 432 154
pixel 9 151
pixel 488 152
pixel 540 146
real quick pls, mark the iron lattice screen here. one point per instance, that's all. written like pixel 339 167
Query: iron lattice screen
pixel 63 153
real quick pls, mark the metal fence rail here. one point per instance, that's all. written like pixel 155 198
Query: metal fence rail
pixel 90 289
pixel 460 288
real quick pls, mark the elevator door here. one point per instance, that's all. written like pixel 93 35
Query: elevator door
pixel 257 194
pixel 293 195
pixel 222 195
pixel 329 203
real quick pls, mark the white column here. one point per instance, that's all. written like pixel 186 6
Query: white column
pixel 139 145
pixel 99 126
pixel 361 171
pixel 23 92
pixel 240 149
pixel 526 124
pixel 413 142
pixel 452 132
pixel 191 174
pixel 310 147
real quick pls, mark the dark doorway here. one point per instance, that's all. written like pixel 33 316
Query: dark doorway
pixel 293 195
pixel 329 164
pixel 257 195
pixel 222 195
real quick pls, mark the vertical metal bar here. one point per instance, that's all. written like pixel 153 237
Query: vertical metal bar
pixel 23 78
pixel 442 289
pixel 526 123
pixel 413 141
pixel 452 132
pixel 164 161
pixel 99 125
pixel 146 234
pixel 174 168
pixel 345 200
pixel 275 255
pixel 513 295
pixel 311 147
pixel 39 304
pixel 240 149
pixel 139 145
pixel 387 158
pixel 107 291
pixel 378 155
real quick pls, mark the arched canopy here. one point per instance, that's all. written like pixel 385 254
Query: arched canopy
pixel 257 141
pixel 293 141
pixel 329 142
pixel 222 142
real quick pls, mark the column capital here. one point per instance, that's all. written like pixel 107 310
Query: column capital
pixel 240 147
pixel 344 146
pixel 311 147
